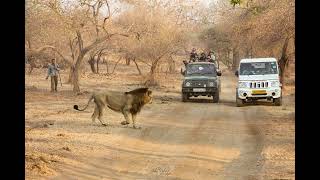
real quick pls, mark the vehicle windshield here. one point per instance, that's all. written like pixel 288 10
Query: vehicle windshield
pixel 201 69
pixel 258 68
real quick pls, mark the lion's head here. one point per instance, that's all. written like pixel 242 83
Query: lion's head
pixel 141 96
pixel 147 98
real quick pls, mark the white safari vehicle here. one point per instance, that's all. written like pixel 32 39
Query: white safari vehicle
pixel 258 79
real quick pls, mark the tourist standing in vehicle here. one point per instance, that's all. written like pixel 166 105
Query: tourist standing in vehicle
pixel 193 55
pixel 203 57
pixel 212 58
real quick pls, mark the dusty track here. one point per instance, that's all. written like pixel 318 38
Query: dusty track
pixel 193 140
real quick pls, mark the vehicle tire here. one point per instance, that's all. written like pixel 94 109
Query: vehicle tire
pixel 277 101
pixel 239 102
pixel 185 97
pixel 216 97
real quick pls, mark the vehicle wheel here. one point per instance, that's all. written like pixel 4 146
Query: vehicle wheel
pixel 185 97
pixel 277 101
pixel 239 102
pixel 216 97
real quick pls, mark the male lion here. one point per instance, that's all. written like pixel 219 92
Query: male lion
pixel 125 102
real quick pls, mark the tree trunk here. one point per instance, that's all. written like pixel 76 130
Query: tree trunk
pixel 224 55
pixel 228 54
pixel 219 58
pixel 134 60
pixel 115 66
pixel 107 66
pixel 92 65
pixel 70 80
pixel 76 73
pixel 235 58
pixel 247 53
pixel 153 68
pixel 283 61
pixel 172 65
pixel 128 59
pixel 98 60
pixel 152 81
pixel 76 87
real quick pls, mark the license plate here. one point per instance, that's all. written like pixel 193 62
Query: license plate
pixel 259 91
pixel 199 90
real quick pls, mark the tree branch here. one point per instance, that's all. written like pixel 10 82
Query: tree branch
pixel 98 41
pixel 43 48
pixel 116 65
pixel 80 42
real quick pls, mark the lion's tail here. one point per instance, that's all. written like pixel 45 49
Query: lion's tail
pixel 77 108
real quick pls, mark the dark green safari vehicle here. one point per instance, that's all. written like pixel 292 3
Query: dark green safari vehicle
pixel 201 79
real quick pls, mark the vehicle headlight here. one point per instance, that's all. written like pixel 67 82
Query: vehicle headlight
pixel 275 83
pixel 211 84
pixel 188 84
pixel 242 85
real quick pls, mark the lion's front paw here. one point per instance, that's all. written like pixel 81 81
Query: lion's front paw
pixel 124 123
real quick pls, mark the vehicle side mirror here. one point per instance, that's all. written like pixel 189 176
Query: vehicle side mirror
pixel 219 73
pixel 237 73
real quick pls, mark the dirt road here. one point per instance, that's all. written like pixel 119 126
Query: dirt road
pixel 192 140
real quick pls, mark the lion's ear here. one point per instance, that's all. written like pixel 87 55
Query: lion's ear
pixel 149 92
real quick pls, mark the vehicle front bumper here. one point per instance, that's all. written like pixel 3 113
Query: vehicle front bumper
pixel 191 92
pixel 246 93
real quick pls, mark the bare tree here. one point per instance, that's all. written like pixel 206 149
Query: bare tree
pixel 83 18
pixel 257 28
pixel 154 36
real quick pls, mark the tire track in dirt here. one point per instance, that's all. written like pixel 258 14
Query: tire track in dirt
pixel 246 136
pixel 250 143
pixel 158 163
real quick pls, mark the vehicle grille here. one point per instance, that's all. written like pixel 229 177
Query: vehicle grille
pixel 198 83
pixel 257 85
